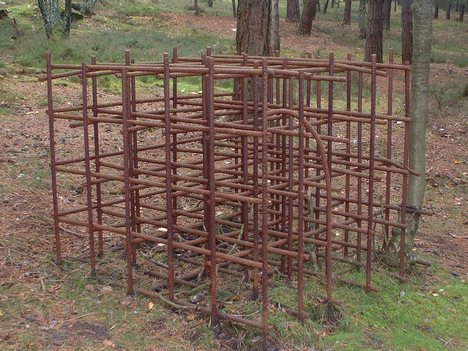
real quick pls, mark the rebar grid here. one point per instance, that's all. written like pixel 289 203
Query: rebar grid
pixel 302 166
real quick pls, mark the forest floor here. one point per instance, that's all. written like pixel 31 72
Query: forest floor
pixel 46 307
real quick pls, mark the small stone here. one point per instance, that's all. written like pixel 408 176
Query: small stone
pixel 90 287
pixel 107 290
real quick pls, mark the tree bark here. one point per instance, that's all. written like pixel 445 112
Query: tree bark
pixel 50 11
pixel 406 31
pixel 325 7
pixel 422 17
pixel 436 9
pixel 374 37
pixel 387 10
pixel 209 3
pixel 462 12
pixel 196 9
pixel 275 29
pixel 67 19
pixel 293 13
pixel 253 27
pixel 308 15
pixel 347 13
pixel 363 18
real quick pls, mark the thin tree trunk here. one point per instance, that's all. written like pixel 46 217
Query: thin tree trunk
pixel 462 12
pixel 234 12
pixel 275 29
pixel 387 10
pixel 67 19
pixel 308 14
pixel 325 7
pixel 406 32
pixel 374 37
pixel 209 3
pixel 449 8
pixel 293 13
pixel 347 13
pixel 196 9
pixel 362 18
pixel 436 9
pixel 422 17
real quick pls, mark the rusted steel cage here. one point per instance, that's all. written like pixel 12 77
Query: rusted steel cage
pixel 301 166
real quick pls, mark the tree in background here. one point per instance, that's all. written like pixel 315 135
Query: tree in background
pixel 448 9
pixel 50 11
pixel 374 34
pixel 436 9
pixel 363 18
pixel 386 13
pixel 253 27
pixel 85 7
pixel 293 13
pixel 422 32
pixel 275 29
pixel 308 15
pixel 406 31
pixel 347 13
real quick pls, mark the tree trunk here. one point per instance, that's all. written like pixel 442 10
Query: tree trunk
pixel 67 19
pixel 422 17
pixel 275 29
pixel 253 27
pixel 55 12
pixel 387 10
pixel 449 8
pixel 293 13
pixel 234 12
pixel 209 3
pixel 374 37
pixel 50 11
pixel 308 15
pixel 347 13
pixel 436 9
pixel 362 18
pixel 196 9
pixel 87 7
pixel 462 12
pixel 406 32
pixel 325 7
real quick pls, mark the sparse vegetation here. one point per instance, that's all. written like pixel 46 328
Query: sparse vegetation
pixel 43 306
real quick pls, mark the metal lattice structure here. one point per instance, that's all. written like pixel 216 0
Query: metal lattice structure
pixel 303 167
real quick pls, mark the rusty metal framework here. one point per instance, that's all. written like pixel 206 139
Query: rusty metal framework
pixel 302 168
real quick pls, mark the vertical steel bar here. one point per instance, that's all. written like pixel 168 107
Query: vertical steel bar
pixel 265 198
pixel 388 178
pixel 53 167
pixel 290 177
pixel 359 178
pixel 212 198
pixel 89 195
pixel 127 196
pixel 169 180
pixel 97 160
pixel 174 136
pixel 348 151
pixel 255 93
pixel 370 201
pixel 300 190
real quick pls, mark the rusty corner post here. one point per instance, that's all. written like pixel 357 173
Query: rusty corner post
pixel 53 167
